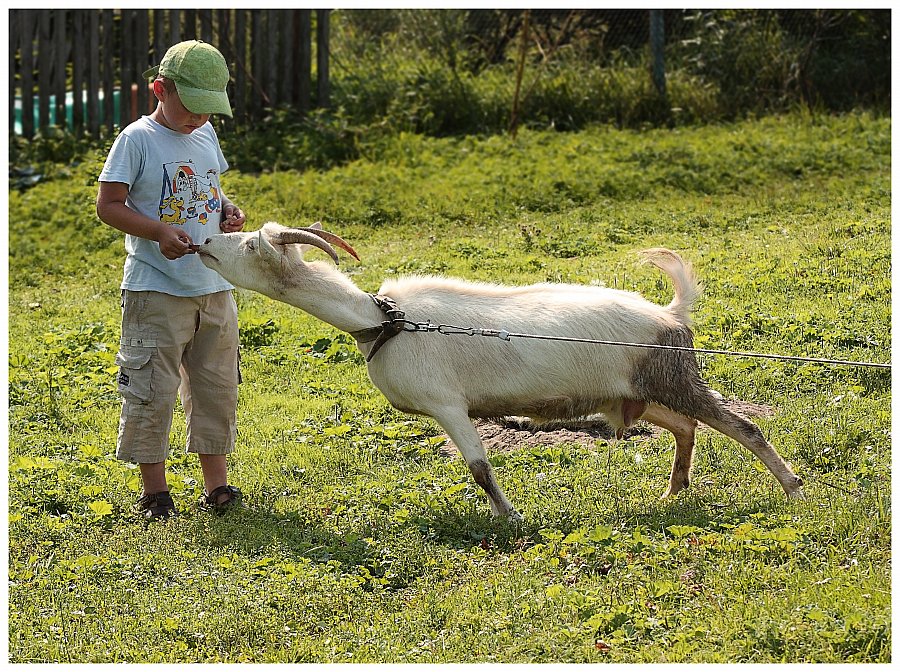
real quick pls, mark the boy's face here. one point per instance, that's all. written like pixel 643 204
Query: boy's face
pixel 173 114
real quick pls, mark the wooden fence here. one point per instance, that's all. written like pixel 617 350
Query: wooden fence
pixel 59 58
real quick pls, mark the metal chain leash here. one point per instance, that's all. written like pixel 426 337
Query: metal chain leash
pixel 448 329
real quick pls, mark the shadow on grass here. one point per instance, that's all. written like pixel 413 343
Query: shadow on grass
pixel 393 553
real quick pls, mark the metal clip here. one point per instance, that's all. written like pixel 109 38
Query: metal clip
pixel 448 329
pixel 503 335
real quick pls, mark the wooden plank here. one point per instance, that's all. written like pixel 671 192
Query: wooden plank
pixel 61 54
pixel 27 24
pixel 271 51
pixel 176 17
pixel 222 40
pixel 258 98
pixel 14 37
pixel 189 25
pixel 289 27
pixel 269 54
pixel 206 28
pixel 160 39
pixel 240 65
pixel 304 65
pixel 44 66
pixel 142 59
pixel 79 39
pixel 93 75
pixel 125 54
pixel 323 82
pixel 107 76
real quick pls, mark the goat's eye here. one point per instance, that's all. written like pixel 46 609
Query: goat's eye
pixel 251 245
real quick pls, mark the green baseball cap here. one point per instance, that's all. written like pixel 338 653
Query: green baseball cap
pixel 200 74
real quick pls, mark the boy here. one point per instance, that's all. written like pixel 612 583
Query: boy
pixel 160 185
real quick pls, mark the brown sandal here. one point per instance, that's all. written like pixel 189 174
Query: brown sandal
pixel 156 506
pixel 210 502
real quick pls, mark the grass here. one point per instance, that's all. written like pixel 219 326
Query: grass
pixel 362 543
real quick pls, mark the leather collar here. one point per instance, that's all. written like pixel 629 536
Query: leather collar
pixel 386 330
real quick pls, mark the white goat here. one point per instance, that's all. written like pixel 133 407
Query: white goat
pixel 453 379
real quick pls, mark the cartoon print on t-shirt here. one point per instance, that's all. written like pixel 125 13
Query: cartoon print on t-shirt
pixel 186 196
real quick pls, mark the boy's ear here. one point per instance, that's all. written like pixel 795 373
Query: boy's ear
pixel 159 90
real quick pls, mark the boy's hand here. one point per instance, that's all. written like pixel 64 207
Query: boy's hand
pixel 174 243
pixel 232 219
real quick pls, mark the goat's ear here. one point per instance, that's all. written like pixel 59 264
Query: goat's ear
pixel 265 248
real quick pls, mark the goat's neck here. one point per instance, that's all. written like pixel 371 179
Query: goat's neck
pixel 334 299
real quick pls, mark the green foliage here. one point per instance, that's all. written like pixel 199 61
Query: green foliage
pixel 364 540
pixel 451 72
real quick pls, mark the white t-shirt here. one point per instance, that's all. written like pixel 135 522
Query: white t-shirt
pixel 172 177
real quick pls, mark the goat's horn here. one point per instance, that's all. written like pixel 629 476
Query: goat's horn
pixel 331 238
pixel 304 237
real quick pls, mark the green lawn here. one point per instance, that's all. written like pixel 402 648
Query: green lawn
pixel 363 542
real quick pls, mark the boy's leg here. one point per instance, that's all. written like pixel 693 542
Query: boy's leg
pixel 215 472
pixel 208 391
pixel 153 477
pixel 155 328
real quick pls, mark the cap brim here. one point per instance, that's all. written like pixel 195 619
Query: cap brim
pixel 201 101
pixel 151 73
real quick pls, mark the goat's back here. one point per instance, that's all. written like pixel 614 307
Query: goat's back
pixel 513 377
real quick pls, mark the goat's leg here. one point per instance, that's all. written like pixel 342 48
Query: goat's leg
pixel 683 429
pixel 749 435
pixel 463 433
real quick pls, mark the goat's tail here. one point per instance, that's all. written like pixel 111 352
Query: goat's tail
pixel 687 286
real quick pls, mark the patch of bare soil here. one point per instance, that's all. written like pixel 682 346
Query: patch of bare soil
pixel 511 434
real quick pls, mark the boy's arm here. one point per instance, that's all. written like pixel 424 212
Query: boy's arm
pixel 111 209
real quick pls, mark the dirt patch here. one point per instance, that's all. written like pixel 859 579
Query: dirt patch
pixel 514 433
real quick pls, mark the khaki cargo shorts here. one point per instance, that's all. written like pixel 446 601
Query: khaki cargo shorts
pixel 177 346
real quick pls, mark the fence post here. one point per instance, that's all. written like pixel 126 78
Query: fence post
pixel 657 51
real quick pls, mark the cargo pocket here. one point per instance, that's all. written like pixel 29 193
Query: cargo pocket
pixel 135 372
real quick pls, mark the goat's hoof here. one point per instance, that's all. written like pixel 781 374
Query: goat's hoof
pixel 512 516
pixel 674 490
pixel 797 494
